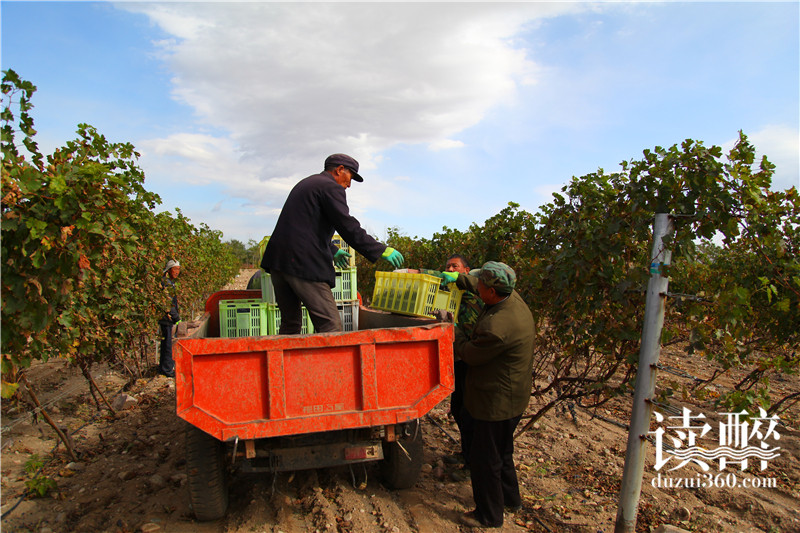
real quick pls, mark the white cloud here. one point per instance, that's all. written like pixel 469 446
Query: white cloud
pixel 781 145
pixel 293 82
pixel 545 191
pixel 445 144
pixel 286 84
pixel 182 24
pixel 199 160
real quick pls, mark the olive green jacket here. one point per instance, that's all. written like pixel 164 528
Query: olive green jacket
pixel 499 355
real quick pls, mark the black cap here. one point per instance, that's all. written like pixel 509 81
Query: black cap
pixel 343 159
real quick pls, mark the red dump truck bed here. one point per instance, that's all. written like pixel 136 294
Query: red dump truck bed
pixel 257 387
pixel 294 402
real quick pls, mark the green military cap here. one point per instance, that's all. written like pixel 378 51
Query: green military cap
pixel 497 275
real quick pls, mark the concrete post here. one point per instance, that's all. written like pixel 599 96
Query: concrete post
pixel 645 378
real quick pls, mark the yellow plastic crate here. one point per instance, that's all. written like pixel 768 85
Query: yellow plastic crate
pixel 405 294
pixel 449 300
pixel 346 287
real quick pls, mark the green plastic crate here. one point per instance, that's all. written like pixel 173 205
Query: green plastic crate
pixel 338 241
pixel 242 318
pixel 267 290
pixel 274 320
pixel 346 288
pixel 348 312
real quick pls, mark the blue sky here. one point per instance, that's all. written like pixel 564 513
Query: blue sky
pixel 453 109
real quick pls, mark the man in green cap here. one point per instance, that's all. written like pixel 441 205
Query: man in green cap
pixel 499 355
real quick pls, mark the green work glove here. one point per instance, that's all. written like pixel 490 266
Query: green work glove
pixel 449 277
pixel 393 256
pixel 341 259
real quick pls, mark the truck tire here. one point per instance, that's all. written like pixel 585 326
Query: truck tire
pixel 206 474
pixel 398 470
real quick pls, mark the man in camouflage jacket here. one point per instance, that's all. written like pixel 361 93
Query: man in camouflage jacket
pixel 468 311
pixel 168 319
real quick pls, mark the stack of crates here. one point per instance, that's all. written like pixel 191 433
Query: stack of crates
pixel 414 294
pixel 274 317
pixel 346 290
pixel 248 318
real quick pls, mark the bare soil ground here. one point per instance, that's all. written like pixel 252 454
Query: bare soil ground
pixel 131 473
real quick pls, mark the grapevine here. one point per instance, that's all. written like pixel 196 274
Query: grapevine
pixel 83 248
pixel 582 266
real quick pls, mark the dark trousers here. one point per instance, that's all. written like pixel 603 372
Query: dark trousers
pixel 460 414
pixel 166 365
pixel 291 292
pixel 494 478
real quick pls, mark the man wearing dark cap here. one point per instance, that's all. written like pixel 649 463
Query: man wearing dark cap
pixel 499 355
pixel 300 255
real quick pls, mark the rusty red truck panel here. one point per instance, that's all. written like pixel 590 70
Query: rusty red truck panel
pixel 257 387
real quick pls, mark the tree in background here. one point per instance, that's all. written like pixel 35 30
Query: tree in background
pixel 582 265
pixel 83 249
pixel 248 256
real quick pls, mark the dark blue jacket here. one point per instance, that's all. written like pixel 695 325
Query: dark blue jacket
pixel 301 243
pixel 173 315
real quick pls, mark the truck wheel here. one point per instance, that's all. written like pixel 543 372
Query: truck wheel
pixel 400 471
pixel 206 473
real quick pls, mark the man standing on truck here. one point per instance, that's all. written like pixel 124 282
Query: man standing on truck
pixel 166 365
pixel 300 255
pixel 499 355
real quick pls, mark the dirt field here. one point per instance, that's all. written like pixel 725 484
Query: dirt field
pixel 131 476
